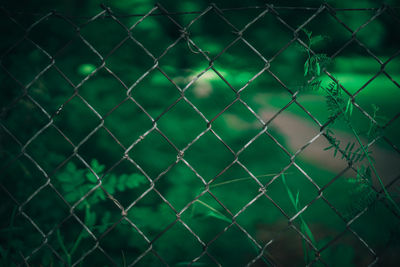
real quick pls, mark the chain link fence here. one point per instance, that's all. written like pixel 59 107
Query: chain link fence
pixel 56 213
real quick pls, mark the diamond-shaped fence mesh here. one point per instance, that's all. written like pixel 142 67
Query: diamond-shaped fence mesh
pixel 254 136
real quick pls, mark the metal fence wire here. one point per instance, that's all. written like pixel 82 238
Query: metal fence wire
pixel 45 224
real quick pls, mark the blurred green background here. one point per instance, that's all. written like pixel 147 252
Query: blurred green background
pixel 41 186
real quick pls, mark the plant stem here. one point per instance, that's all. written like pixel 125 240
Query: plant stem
pixel 244 179
pixel 64 249
pixel 374 170
pixel 77 242
pixel 366 154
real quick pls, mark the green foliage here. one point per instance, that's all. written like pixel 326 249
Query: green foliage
pixel 308 252
pixel 314 85
pixel 374 129
pixel 350 153
pixel 316 62
pixel 338 109
pixel 179 125
pixel 334 99
pixel 363 194
pixel 76 182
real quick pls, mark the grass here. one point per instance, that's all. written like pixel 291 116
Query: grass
pixel 308 255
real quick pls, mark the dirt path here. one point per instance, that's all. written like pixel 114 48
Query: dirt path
pixel 297 132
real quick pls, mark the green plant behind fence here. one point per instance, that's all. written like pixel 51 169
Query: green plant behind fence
pixel 223 136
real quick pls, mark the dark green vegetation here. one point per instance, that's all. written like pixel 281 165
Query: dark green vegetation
pixel 96 167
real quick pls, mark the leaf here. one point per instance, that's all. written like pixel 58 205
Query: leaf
pixel 349 108
pixel 306 64
pixel 359 156
pixel 353 156
pixel 307 231
pixel 106 216
pixel 317 39
pixel 308 33
pixel 351 147
pixel 135 180
pixel 70 167
pixel 288 191
pixel 90 217
pixel 97 167
pixel 98 194
pixel 211 212
pixel 316 85
pixel 121 183
pixel 91 177
pixel 318 69
pixel 345 150
pixel 61 243
pixel 111 184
